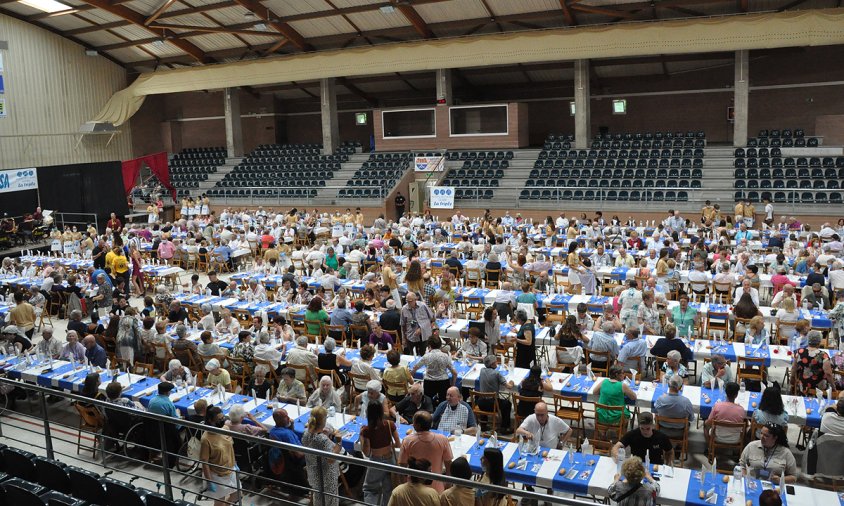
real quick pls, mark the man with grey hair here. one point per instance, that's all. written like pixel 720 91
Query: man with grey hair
pixel 341 316
pixel 414 401
pixel 103 298
pixel 716 372
pixel 604 342
pixel 417 325
pixel 300 355
pixel 674 405
pixel 176 371
pixel 48 345
pixel 265 350
pixel 505 301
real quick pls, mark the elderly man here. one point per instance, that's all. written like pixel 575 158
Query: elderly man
pixel 787 292
pixel 185 347
pixel 624 260
pixel 414 401
pixel 601 258
pixel 48 345
pixel 300 355
pixel 94 353
pixel 747 287
pixel 103 298
pixel 256 292
pixel 424 444
pixel 289 463
pixel 177 372
pixel 604 342
pixel 177 313
pixel 417 324
pixel 645 441
pixel 633 352
pixel 549 431
pixel 266 351
pixel 325 395
pixel 207 321
pixel 816 298
pixel 716 373
pixel 73 349
pixel 674 405
pixel 454 413
pixel 391 318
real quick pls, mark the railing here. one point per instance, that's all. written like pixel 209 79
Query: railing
pixel 283 194
pixel 60 220
pixel 187 470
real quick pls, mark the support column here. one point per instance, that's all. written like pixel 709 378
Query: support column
pixel 328 104
pixel 741 98
pixel 234 125
pixel 444 89
pixel 582 113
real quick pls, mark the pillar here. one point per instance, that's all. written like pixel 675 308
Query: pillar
pixel 741 98
pixel 328 106
pixel 444 89
pixel 234 126
pixel 582 114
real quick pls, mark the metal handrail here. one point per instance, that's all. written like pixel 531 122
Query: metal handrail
pixel 166 420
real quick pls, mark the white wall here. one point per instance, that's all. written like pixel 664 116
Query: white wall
pixel 52 87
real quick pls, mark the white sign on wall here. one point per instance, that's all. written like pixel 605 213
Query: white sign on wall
pixel 18 180
pixel 429 163
pixel 442 197
pixel 3 108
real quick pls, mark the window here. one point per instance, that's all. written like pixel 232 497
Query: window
pixel 361 118
pixel 409 123
pixel 619 106
pixel 479 120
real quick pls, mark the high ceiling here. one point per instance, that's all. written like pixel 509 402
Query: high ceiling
pixel 144 35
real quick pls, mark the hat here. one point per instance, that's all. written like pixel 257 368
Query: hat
pixel 212 364
pixel 14 330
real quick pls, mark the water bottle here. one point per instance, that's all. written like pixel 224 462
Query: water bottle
pixel 742 387
pixel 621 456
pixel 738 476
pixel 331 411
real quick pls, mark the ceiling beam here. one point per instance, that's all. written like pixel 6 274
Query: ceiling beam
pixel 601 10
pixel 95 27
pixel 687 12
pixel 214 29
pixel 416 20
pixel 282 27
pixel 369 99
pixel 158 12
pixel 197 9
pixel 791 5
pixel 568 15
pixel 138 19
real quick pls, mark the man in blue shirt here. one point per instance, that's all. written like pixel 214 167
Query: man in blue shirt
pixel 93 273
pixel 290 463
pixel 224 252
pixel 162 405
pixel 95 353
pixel 340 316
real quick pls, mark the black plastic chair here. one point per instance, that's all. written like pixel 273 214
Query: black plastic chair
pixel 23 493
pixel 86 485
pixel 20 463
pixel 53 475
pixel 123 494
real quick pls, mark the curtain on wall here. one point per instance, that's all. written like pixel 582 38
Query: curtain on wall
pixel 157 163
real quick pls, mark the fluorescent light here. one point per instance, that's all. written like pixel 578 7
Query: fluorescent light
pixel 46 5
pixel 387 9
pixel 260 26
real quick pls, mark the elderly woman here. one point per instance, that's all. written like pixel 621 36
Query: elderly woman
pixel 325 396
pixel 363 367
pixel 756 333
pixel 812 367
pixel 637 489
pixel 183 345
pixel 129 341
pixel 177 372
pixel 235 422
pixel 315 437
pixel 372 395
pixel 673 366
pixel 244 349
pixel 608 315
pixel 228 324
pixel 684 317
pixel 648 315
pixel 217 376
pixel 333 361
pixel 491 379
pixel 769 458
pixel 290 389
pixel 207 321
pixel 630 300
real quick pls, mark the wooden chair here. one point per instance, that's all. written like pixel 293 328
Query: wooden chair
pixel 608 289
pixel 162 362
pixel 599 366
pixel 722 292
pixel 202 263
pixel 570 409
pixel 517 400
pixel 563 365
pixel 785 330
pixel 268 366
pixel 742 324
pixel 303 374
pixel 682 442
pixel 338 332
pixel 332 373
pixel 752 369
pixel 401 388
pixel 187 360
pixel 239 364
pixel 604 431
pixel 361 378
pixel 143 369
pixel 297 321
pixel 719 321
pixel 754 427
pixel 492 278
pixel 473 277
pixel 356 332
pixel 396 338
pixel 314 337
pixel 492 415
pixel 92 421
pixel 739 428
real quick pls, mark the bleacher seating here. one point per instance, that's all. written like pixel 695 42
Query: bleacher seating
pixel 763 173
pixel 191 166
pixel 300 169
pixel 479 175
pixel 618 167
pixel 785 138
pixel 377 175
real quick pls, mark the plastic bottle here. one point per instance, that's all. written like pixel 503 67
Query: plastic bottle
pixel 742 387
pixel 738 475
pixel 620 459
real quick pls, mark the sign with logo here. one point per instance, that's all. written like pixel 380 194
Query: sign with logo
pixel 18 180
pixel 429 163
pixel 442 197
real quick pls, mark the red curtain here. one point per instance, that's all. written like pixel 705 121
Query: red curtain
pixel 157 163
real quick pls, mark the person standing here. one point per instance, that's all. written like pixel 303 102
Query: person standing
pixel 23 315
pixel 417 325
pixel 216 452
pixel 400 202
pixel 315 438
pixel 426 445
pixel 379 439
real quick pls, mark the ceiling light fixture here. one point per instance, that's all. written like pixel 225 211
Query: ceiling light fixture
pixel 388 9
pixel 46 5
pixel 158 43
pixel 260 26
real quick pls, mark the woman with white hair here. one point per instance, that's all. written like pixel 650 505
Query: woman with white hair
pixel 325 396
pixel 207 321
pixel 372 395
pixel 129 336
pixel 363 367
pixel 177 372
pixel 334 361
pixel 235 422
pixel 673 366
